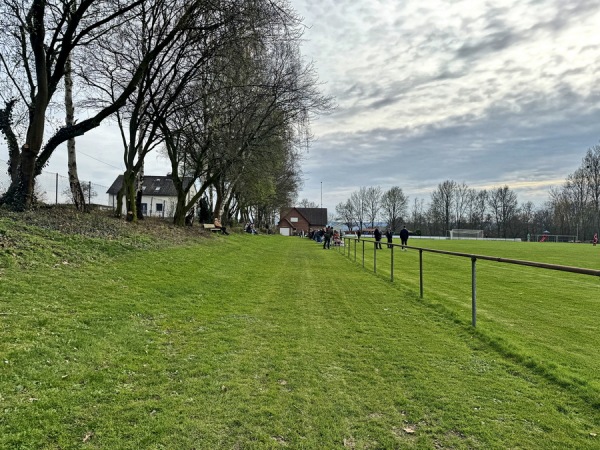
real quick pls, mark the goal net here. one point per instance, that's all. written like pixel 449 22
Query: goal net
pixel 466 234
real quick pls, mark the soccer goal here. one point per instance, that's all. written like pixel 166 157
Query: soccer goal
pixel 466 234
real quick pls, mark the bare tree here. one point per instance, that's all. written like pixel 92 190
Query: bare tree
pixel 395 206
pixel 478 212
pixel 418 214
pixel 77 193
pixel 345 214
pixel 160 92
pixel 39 38
pixel 358 202
pixel 579 195
pixel 442 201
pixel 461 201
pixel 591 172
pixel 254 103
pixel 372 203
pixel 527 215
pixel 306 203
pixel 503 203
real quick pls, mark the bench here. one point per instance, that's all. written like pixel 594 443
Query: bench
pixel 211 227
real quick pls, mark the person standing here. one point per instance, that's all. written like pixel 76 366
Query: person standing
pixel 404 237
pixel 389 235
pixel 595 240
pixel 327 238
pixel 377 235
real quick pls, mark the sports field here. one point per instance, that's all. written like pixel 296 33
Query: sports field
pixel 548 319
pixel 271 342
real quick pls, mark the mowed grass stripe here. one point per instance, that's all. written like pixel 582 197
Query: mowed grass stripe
pixel 259 342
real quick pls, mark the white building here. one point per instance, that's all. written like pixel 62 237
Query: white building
pixel 159 197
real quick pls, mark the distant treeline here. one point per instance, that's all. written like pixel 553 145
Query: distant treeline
pixel 572 209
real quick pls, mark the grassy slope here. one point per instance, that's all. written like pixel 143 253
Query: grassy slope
pixel 256 342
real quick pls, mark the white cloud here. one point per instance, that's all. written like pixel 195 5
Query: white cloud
pixel 489 93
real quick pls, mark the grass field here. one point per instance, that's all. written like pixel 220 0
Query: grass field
pixel 270 342
pixel 544 318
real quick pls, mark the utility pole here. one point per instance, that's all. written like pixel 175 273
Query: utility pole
pixel 321 194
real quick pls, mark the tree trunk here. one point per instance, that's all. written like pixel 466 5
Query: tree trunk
pixel 19 195
pixel 6 122
pixel 75 185
pixel 138 194
pixel 219 203
pixel 128 191
pixel 180 210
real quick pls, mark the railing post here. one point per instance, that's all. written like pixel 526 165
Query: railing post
pixel 474 291
pixel 56 192
pixel 421 271
pixel 392 264
pixel 374 258
pixel 355 250
pixel 363 252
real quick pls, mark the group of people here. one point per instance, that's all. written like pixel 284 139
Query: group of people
pixel 404 233
pixel 326 236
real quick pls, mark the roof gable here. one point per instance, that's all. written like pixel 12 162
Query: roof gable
pixel 314 216
pixel 152 185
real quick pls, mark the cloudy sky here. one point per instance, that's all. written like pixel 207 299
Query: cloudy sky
pixel 482 92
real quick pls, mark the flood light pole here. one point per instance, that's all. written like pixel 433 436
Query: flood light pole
pixel 321 194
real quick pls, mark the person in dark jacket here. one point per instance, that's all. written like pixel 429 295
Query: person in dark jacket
pixel 377 235
pixel 389 235
pixel 404 238
pixel 327 238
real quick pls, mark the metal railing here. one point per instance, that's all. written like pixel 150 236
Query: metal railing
pixel 347 252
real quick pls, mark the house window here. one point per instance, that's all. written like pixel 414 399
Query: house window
pixel 157 188
pixel 293 219
pixel 145 209
pixel 159 207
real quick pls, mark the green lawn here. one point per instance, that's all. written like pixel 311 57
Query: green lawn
pixel 270 342
pixel 543 318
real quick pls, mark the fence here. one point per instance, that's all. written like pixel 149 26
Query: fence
pixel 347 251
pixel 53 188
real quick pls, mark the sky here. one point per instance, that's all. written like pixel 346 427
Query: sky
pixel 489 93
